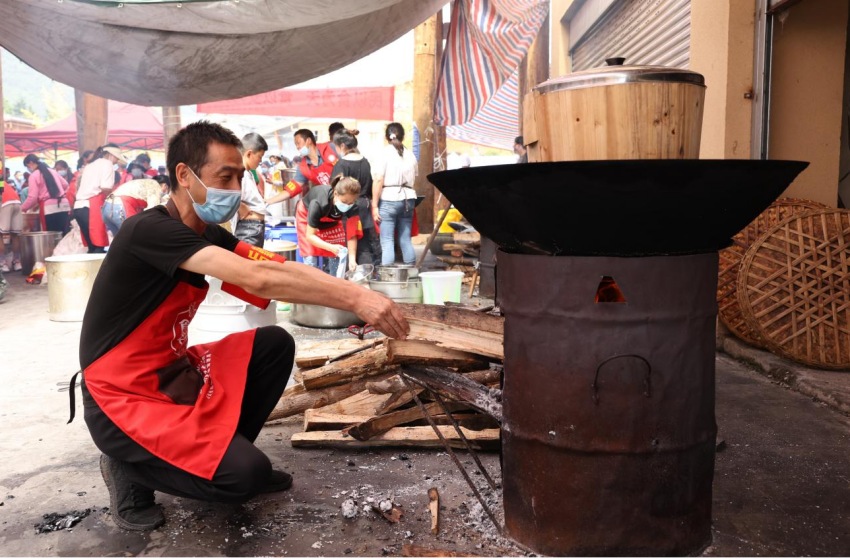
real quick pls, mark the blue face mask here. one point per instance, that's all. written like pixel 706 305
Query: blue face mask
pixel 220 206
pixel 304 151
pixel 343 207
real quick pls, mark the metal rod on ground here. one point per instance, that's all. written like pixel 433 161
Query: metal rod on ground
pixel 475 458
pixel 407 381
pixel 433 234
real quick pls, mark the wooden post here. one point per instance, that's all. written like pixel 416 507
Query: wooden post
pixel 92 120
pixel 427 37
pixel 534 69
pixel 170 124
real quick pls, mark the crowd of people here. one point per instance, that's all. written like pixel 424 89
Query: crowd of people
pixel 366 217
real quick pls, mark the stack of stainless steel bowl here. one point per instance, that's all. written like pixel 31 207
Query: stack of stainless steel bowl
pixel 399 283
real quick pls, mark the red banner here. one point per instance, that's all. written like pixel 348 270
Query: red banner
pixel 365 103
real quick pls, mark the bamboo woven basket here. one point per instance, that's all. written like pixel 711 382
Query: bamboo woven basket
pixel 794 288
pixel 730 263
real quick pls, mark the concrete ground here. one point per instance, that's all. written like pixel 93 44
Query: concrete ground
pixel 781 488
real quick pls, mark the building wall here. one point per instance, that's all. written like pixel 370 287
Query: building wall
pixel 722 44
pixel 809 48
pixel 559 38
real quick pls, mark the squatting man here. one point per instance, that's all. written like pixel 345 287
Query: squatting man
pixel 182 419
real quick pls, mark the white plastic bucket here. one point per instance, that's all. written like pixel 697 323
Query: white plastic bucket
pixel 222 313
pixel 70 280
pixel 441 286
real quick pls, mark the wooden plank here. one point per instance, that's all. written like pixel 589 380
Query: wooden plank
pixel 458 338
pixel 365 364
pixel 296 399
pixel 316 353
pixel 377 425
pixel 368 404
pixel 317 419
pixel 428 353
pixel 416 436
pixel 434 509
pixel 453 316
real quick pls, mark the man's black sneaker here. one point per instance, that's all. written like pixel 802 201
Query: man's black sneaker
pixel 132 505
pixel 278 481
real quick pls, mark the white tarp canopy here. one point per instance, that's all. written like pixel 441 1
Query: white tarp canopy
pixel 156 52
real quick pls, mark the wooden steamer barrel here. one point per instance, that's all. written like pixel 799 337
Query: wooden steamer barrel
pixel 617 112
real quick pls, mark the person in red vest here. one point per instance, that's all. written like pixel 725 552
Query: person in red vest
pixel 11 224
pixel 182 419
pixel 312 170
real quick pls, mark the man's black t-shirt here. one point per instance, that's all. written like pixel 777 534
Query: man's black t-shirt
pixel 320 204
pixel 139 272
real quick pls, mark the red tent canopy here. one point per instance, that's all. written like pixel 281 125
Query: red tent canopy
pixel 130 126
pixel 366 103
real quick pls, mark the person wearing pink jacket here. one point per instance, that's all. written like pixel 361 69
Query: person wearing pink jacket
pixel 47 190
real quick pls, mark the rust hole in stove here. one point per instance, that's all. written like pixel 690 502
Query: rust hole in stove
pixel 609 292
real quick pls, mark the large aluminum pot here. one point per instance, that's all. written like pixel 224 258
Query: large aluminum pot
pixel 322 317
pixel 37 246
pixel 403 292
pixel 397 273
pixel 616 112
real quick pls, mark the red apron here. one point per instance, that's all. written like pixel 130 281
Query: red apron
pixel 336 235
pixel 132 206
pixel 136 384
pixel 97 229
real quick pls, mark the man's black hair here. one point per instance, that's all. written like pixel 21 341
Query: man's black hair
pixel 518 140
pixel 334 128
pixel 305 133
pixel 143 158
pixel 191 146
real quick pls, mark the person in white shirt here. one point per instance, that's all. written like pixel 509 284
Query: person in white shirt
pixel 96 181
pixel 249 224
pixel 393 197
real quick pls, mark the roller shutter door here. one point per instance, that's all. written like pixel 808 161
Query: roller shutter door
pixel 655 32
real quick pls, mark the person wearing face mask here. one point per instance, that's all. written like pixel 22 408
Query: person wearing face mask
pixel 312 170
pixel 95 183
pixel 47 191
pixel 327 221
pixel 180 419
pixel 130 198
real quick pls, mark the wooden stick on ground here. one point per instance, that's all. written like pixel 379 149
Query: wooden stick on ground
pixel 434 508
pixel 296 399
pixel 377 425
pixel 415 436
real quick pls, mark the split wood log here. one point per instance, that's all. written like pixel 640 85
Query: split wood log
pixel 394 383
pixel 434 508
pixel 458 388
pixel 296 399
pixel 467 237
pixel 459 329
pixel 416 436
pixel 365 364
pixel 365 403
pixel 428 353
pixel 413 551
pixel 378 425
pixel 457 261
pixel 318 420
pixel 314 354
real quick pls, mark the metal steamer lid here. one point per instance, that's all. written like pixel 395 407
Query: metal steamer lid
pixel 618 74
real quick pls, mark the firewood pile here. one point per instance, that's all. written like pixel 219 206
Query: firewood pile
pixel 381 392
pixel 464 249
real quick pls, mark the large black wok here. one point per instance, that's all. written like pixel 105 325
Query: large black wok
pixel 617 208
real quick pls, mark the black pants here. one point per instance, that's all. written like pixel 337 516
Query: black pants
pixel 244 469
pixel 59 221
pixel 82 217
